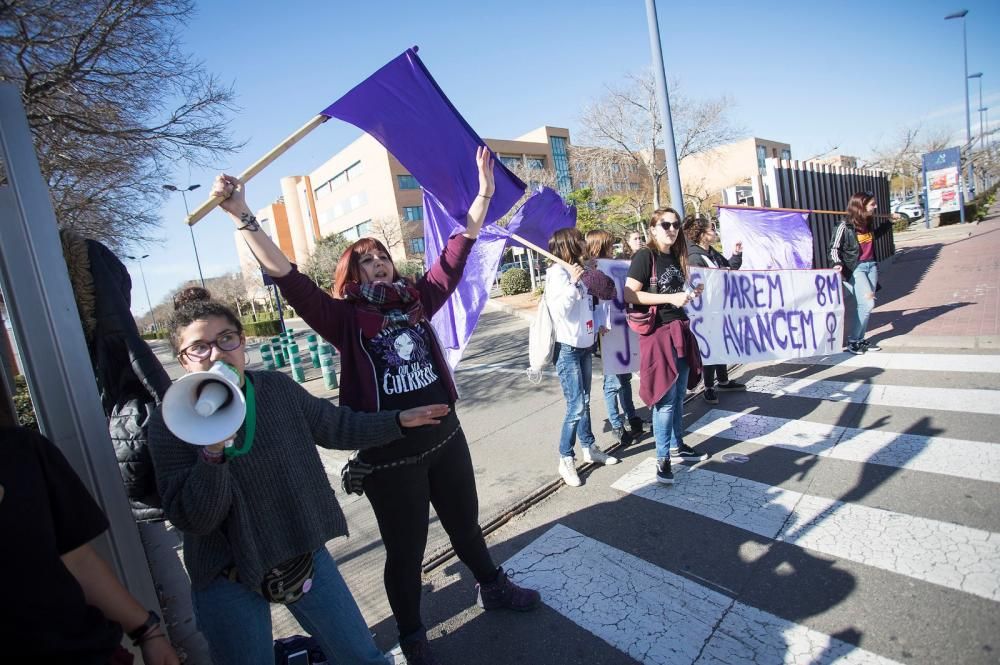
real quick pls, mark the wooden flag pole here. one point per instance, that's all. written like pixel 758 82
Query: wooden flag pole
pixel 546 254
pixel 258 166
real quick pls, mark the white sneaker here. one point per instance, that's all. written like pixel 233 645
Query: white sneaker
pixel 567 469
pixel 594 454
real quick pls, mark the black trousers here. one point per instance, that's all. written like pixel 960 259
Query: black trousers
pixel 713 371
pixel 401 498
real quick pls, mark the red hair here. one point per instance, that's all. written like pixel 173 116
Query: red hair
pixel 349 269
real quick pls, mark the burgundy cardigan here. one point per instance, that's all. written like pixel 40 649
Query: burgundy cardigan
pixel 657 366
pixel 336 321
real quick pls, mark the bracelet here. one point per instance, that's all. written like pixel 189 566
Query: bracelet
pixel 483 196
pixel 147 637
pixel 249 223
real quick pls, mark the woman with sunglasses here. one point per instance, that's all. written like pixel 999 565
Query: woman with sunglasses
pixel 262 500
pixel 852 252
pixel 701 233
pixel 669 361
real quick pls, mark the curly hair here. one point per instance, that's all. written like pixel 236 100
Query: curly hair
pixel 191 294
pixel 198 310
pixel 695 227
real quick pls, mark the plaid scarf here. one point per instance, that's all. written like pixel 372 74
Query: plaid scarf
pixel 383 306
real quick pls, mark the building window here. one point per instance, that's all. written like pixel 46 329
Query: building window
pixel 363 229
pixel 407 182
pixel 786 154
pixel 417 245
pixel 560 160
pixel 512 161
pixel 535 162
pixel 338 181
pixel 353 171
pixel 413 213
pixel 761 158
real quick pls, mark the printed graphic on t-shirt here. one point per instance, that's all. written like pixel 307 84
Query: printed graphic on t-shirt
pixel 670 280
pixel 864 237
pixel 405 355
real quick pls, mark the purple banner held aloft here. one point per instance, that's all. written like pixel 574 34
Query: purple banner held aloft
pixel 772 239
pixel 542 215
pixel 404 109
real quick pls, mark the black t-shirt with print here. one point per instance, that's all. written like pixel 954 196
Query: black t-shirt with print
pixel 669 279
pixel 45 512
pixel 407 377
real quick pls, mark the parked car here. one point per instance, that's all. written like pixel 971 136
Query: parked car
pixel 523 266
pixel 909 210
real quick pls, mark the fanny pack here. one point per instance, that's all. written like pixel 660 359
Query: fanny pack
pixel 284 583
pixel 354 473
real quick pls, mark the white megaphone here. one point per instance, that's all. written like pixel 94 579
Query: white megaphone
pixel 205 407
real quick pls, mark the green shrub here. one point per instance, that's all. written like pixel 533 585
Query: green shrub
pixel 514 281
pixel 262 328
pixel 22 404
pixel 162 334
pixel 900 223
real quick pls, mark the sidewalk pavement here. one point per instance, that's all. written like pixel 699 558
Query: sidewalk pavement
pixel 940 290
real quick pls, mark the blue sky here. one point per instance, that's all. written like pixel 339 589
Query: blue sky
pixel 815 74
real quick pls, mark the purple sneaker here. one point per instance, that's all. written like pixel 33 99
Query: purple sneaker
pixel 502 593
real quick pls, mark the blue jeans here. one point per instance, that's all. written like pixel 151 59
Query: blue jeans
pixel 573 366
pixel 668 414
pixel 236 621
pixel 861 288
pixel 618 388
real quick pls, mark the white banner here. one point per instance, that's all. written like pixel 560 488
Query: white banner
pixel 619 346
pixel 752 315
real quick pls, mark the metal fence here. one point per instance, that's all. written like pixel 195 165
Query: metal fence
pixel 824 190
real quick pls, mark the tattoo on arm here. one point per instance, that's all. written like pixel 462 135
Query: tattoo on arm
pixel 249 223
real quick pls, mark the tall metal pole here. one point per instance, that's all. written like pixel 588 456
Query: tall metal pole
pixel 138 259
pixel 193 243
pixel 663 101
pixel 968 117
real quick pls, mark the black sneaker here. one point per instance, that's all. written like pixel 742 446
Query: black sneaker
pixel 635 427
pixel 710 396
pixel 870 346
pixel 663 473
pixel 730 386
pixel 417 651
pixel 857 348
pixel 687 454
pixel 621 436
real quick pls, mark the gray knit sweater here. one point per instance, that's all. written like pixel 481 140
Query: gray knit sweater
pixel 272 504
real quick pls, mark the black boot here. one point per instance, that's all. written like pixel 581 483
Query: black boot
pixel 635 425
pixel 417 650
pixel 621 436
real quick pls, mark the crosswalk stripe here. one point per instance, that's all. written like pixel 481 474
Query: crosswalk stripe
pixel 966 400
pixel 921 362
pixel 977 460
pixel 950 555
pixel 626 601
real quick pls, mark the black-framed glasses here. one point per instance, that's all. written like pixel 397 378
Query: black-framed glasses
pixel 665 225
pixel 229 340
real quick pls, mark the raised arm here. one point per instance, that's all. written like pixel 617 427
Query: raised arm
pixel 269 255
pixel 477 211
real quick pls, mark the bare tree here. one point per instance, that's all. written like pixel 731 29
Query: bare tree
pixel 626 120
pixel 901 157
pixel 388 231
pixel 322 263
pixel 113 103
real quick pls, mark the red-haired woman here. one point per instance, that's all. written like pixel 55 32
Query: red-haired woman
pixel 852 251
pixel 390 357
pixel 669 360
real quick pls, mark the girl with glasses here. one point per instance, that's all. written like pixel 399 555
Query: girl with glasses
pixel 264 501
pixel 669 361
pixel 701 234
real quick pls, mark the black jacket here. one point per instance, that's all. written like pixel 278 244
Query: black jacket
pixel 844 247
pixel 697 257
pixel 130 378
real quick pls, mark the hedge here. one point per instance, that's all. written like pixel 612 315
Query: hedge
pixel 514 281
pixel 262 328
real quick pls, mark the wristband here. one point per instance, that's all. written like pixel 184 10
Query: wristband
pixel 151 622
pixel 483 196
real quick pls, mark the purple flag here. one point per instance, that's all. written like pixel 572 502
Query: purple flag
pixel 542 215
pixel 772 239
pixel 404 109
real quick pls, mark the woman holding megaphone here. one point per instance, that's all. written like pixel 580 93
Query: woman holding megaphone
pixel 255 504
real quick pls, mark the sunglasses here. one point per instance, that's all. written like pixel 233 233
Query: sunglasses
pixel 230 340
pixel 667 225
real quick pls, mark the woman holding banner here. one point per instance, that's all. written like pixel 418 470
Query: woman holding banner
pixel 256 515
pixel 391 359
pixel 617 387
pixel 572 296
pixel 701 233
pixel 852 252
pixel 669 361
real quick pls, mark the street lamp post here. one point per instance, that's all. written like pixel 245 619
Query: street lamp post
pixel 968 118
pixel 184 192
pixel 979 75
pixel 138 259
pixel 663 101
